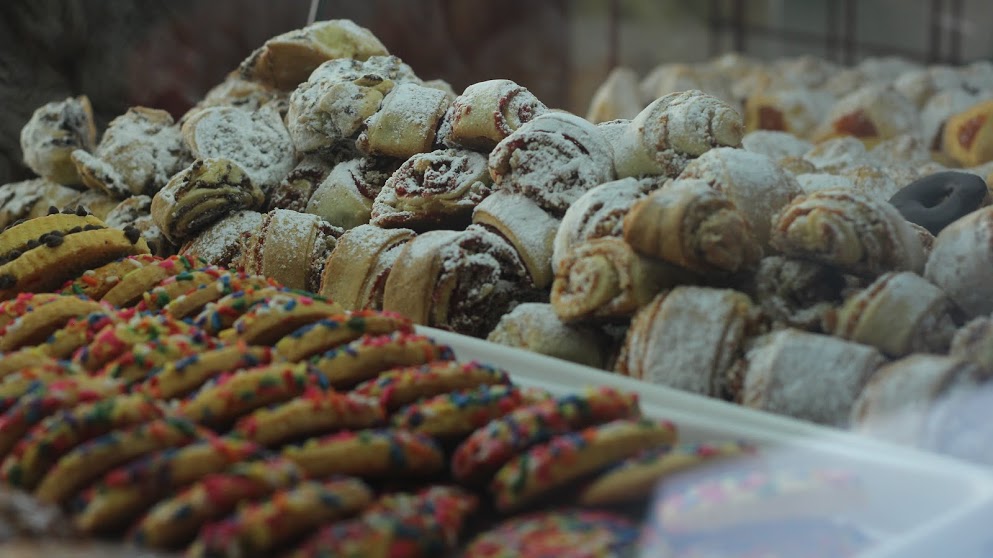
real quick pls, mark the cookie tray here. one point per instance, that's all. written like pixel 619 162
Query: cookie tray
pixel 915 503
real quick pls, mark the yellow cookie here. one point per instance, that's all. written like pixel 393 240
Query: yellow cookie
pixel 186 294
pixel 129 290
pixel 144 359
pixel 25 236
pixel 79 332
pixel 32 380
pixel 403 386
pixel 221 315
pixel 334 331
pixel 367 357
pixel 117 339
pixel 457 414
pixel 23 303
pixel 94 283
pixel 382 453
pixel 313 413
pixel 278 316
pixel 28 357
pixel 182 376
pixel 36 326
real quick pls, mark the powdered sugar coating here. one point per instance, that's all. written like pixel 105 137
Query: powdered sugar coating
pixel 837 153
pixel 775 144
pixel 689 122
pixel 961 261
pixel 536 327
pixel 887 112
pixel 486 113
pixel 221 243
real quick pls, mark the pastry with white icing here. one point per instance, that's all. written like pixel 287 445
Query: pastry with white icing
pixel 405 123
pixel 961 260
pixel 346 196
pixel 221 243
pixel 528 227
pixel 54 131
pixel 617 97
pixel 486 113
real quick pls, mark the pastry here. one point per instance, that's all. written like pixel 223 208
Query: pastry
pixel 966 136
pixel 277 316
pixel 118 337
pixel 54 131
pixel 129 290
pixel 960 261
pixel 870 113
pixel 78 332
pixel 295 190
pixel 858 233
pixel 405 123
pixel 486 113
pixel 136 212
pixel 357 269
pixel 689 224
pixel 837 154
pixel 436 190
pixel 221 314
pixel 403 386
pixel 974 342
pixel 291 248
pixel 936 112
pixel 528 227
pixel 145 359
pixel 346 196
pixel 796 293
pixel 552 159
pixel 139 152
pixel 796 111
pixel 536 327
pixel 32 198
pixel 185 375
pixel 313 413
pixel 775 144
pixel 236 91
pixel 617 97
pixel 372 454
pixel 35 326
pixel 674 77
pixel 578 532
pixel 221 242
pixel 687 338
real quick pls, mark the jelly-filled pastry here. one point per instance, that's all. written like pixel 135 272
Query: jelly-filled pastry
pixel 960 261
pixel 689 224
pixel 617 97
pixel 797 111
pixel 553 160
pixel 459 280
pixel 346 196
pixel 138 154
pixel 936 112
pixel 968 136
pixel 535 327
pixel 356 272
pixel 291 248
pixel 528 227
pixel 221 243
pixel 405 123
pixel 870 113
pixel 54 131
pixel 436 190
pixel 487 112
pixel 286 60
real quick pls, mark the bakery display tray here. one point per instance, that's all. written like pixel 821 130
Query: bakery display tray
pixel 916 503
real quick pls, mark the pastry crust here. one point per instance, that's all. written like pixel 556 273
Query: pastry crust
pixel 525 225
pixel 291 248
pixel 968 136
pixel 617 97
pixel 54 131
pixel 960 262
pixel 357 270
pixel 346 196
pixel 536 328
pixel 486 113
pixel 405 123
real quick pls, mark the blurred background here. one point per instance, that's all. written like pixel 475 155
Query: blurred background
pixel 166 54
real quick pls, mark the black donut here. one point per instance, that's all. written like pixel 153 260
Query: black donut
pixel 939 199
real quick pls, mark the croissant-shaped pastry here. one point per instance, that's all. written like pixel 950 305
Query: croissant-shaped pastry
pixel 525 225
pixel 345 197
pixel 436 190
pixel 535 327
pixel 689 224
pixel 553 160
pixel 221 243
pixel 687 339
pixel 357 270
pixel 54 131
pixel 286 60
pixel 871 113
pixel 291 248
pixel 405 123
pixel 960 262
pixel 755 183
pixel 617 97
pixel 968 136
pixel 858 233
pixel 201 195
pixel 486 113
pixel 606 279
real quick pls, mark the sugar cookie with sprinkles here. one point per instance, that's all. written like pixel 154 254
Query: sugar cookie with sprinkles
pixel 334 331
pixel 11 310
pixel 175 521
pixel 95 283
pixel 635 478
pixel 129 290
pixel 32 379
pixel 28 357
pixel 93 459
pixel 492 446
pixel 456 415
pixel 372 454
pixel 115 499
pixel 313 413
pixel 62 432
pixel 34 327
pixel 575 533
pixel 278 316
pixel 192 303
pixel 222 314
pixel 144 359
pixel 367 357
pixel 259 529
pixel 175 286
pixel 117 339
pixel 547 467
pixel 79 332
pixel 183 376
pixel 403 386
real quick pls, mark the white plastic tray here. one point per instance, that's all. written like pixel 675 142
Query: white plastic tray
pixel 919 504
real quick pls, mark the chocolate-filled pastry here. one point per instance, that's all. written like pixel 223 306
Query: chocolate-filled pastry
pixel 553 160
pixel 201 195
pixel 605 279
pixel 136 212
pixel 295 190
pixel 405 123
pixel 937 200
pixel 968 136
pixel 525 225
pixel 486 113
pixel 330 108
pixel 458 280
pixel 871 113
pixel 960 261
pixel 345 197
pixel 617 97
pixel 687 338
pixel 356 272
pixel 436 190
pixel 858 233
pixel 535 327
pixel 291 248
pixel 796 293
pixel 138 154
pixel 221 243
pixel 54 131
pixel 286 60
pixel 238 92
pixel 32 198
pixel 689 224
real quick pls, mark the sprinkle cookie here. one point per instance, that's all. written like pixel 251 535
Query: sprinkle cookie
pixel 129 290
pixel 183 376
pixel 176 286
pixel 34 327
pixel 313 413
pixel 403 386
pixel 95 283
pixel 367 357
pixel 573 533
pixel 23 303
pixel 116 340
pixel 79 332
pixel 334 331
pixel 385 453
pixel 28 357
pixel 33 379
pixel 267 322
pixel 221 315
pixel 144 359
pixel 454 415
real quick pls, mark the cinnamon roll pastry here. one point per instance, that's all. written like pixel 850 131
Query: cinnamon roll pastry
pixel 295 191
pixel 138 154
pixel 535 327
pixel 598 213
pixel 356 272
pixel 291 248
pixel 286 60
pixel 463 281
pixel 796 293
pixel 796 111
pixel 553 160
pixel 528 227
pixel 257 141
pixel 960 261
pixel 54 131
pixel 806 376
pixel 221 243
pixel 346 196
pixel 754 183
pixel 974 342
pixel 330 108
pixel 871 113
pixel 900 313
pixel 201 195
pixel 136 212
pixel 968 136
pixel 689 224
pixel 617 97
pixel 405 123
pixel 436 190
pixel 856 232
pixel 687 339
pixel 32 198
pixel 486 113
pixel 238 92
pixel 605 279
